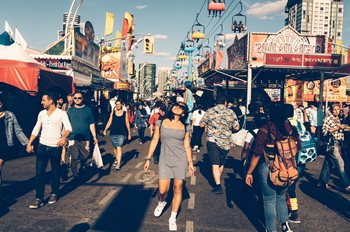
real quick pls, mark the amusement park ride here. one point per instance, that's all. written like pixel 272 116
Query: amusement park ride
pixel 192 49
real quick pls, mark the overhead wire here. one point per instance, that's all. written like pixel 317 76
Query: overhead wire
pixel 221 20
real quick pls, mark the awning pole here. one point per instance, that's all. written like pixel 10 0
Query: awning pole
pixel 327 92
pixel 249 85
pixel 321 91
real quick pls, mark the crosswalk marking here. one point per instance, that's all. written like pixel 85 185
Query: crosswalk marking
pixel 126 178
pixel 191 201
pixel 193 180
pixel 138 165
pixel 189 226
pixel 109 196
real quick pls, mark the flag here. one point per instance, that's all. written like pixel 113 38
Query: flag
pixel 118 37
pixel 219 58
pixel 19 39
pixel 128 24
pixel 211 60
pixel 109 23
pixel 8 29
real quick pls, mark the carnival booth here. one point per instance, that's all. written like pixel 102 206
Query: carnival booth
pixel 267 60
pixel 23 80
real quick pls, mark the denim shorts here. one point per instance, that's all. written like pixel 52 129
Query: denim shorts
pixel 117 140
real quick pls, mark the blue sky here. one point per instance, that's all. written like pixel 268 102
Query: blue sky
pixel 40 20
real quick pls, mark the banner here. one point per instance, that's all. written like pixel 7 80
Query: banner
pixel 109 23
pixel 219 58
pixel 128 24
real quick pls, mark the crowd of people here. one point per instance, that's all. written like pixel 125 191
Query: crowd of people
pixel 67 131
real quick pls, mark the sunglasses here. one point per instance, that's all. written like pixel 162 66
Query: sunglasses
pixel 78 98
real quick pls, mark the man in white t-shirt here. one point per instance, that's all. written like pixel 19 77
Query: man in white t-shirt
pixel 197 130
pixel 50 122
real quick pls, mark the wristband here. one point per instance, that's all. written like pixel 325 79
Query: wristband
pixel 147 159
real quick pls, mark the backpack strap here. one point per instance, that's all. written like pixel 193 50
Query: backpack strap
pixel 299 128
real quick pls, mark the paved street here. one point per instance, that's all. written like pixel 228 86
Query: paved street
pixel 107 200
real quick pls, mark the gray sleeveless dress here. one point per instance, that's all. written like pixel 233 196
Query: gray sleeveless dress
pixel 173 159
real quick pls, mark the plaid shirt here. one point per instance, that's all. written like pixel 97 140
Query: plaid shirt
pixel 332 122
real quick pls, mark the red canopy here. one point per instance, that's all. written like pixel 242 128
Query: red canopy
pixel 19 69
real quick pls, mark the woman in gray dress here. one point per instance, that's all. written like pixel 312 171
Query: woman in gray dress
pixel 175 158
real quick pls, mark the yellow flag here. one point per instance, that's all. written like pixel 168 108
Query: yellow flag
pixel 109 23
pixel 118 37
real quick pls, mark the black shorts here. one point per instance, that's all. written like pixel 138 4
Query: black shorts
pixel 216 154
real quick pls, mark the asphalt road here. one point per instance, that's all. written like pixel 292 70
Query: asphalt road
pixel 107 200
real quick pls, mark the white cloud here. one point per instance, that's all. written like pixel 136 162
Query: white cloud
pixel 160 37
pixel 141 7
pixel 266 10
pixel 161 54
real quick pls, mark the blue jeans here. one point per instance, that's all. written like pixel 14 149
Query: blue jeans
pixel 43 155
pixel 334 157
pixel 274 199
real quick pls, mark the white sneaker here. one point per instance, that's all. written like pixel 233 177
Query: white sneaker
pixel 195 148
pixel 159 209
pixel 198 151
pixel 172 224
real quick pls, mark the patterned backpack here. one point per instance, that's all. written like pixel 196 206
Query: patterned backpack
pixel 282 160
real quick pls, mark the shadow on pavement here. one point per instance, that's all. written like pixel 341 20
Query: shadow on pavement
pixel 334 201
pixel 205 169
pixel 241 195
pixel 82 227
pixel 11 191
pixel 127 156
pixel 126 212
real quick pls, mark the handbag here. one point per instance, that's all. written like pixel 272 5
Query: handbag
pixel 238 138
pixel 96 156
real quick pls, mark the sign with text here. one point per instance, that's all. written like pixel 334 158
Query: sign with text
pixel 61 64
pixel 299 60
pixel 284 59
pixel 287 41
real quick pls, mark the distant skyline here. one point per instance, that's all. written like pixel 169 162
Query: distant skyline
pixel 40 20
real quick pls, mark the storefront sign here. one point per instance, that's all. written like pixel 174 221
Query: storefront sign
pixel 336 90
pixel 315 60
pixel 268 83
pixel 110 65
pixel 287 41
pixel 284 59
pixel 82 68
pixel 121 86
pixel 328 60
pixel 56 63
pixel 85 49
pixel 294 91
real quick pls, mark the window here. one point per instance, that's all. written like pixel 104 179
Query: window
pixel 339 33
pixel 340 10
pixel 321 8
pixel 325 33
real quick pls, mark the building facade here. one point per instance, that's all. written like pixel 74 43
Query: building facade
pixel 146 81
pixel 317 17
pixel 163 74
